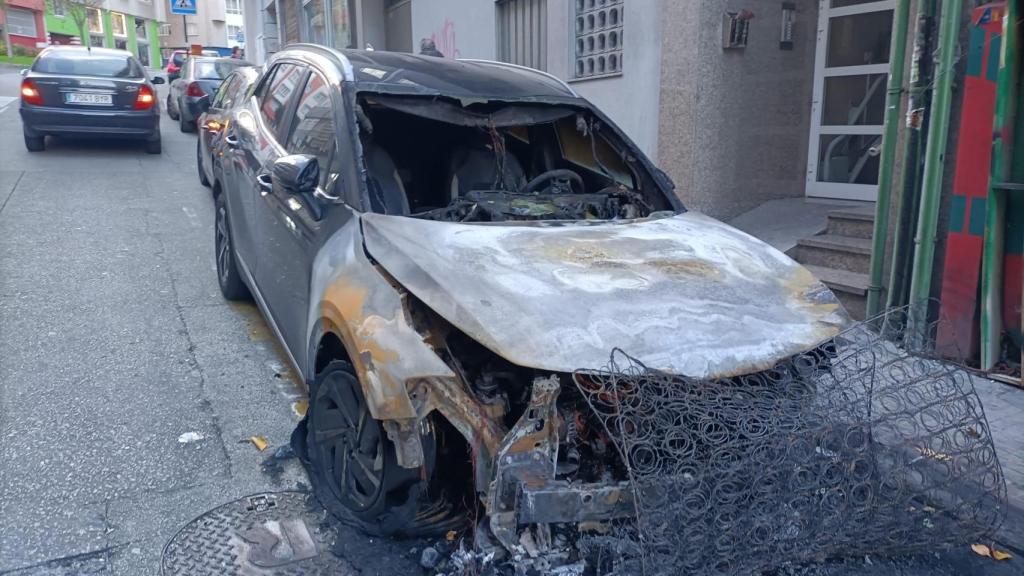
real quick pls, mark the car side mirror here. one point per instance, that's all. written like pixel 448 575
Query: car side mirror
pixel 158 80
pixel 203 103
pixel 23 72
pixel 297 173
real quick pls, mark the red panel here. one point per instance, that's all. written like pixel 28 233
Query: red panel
pixel 962 270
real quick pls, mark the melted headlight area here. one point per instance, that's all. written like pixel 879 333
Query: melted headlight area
pixel 544 470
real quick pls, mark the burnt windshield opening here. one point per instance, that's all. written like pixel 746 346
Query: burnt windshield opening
pixel 499 162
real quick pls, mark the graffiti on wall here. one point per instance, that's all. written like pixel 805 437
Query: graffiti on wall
pixel 444 40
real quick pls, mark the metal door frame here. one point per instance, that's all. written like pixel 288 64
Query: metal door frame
pixel 838 190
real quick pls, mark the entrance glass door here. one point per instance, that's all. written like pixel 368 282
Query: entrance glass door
pixel 850 72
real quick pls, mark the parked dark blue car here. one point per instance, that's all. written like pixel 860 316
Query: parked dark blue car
pixel 70 90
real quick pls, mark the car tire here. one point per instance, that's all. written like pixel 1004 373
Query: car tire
pixel 154 146
pixel 170 109
pixel 35 143
pixel 185 125
pixel 379 496
pixel 199 164
pixel 232 287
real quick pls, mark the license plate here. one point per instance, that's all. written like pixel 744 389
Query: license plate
pixel 84 98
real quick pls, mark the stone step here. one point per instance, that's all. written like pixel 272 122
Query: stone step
pixel 853 222
pixel 834 251
pixel 850 287
pixel 841 280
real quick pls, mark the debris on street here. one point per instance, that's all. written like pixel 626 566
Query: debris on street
pixel 258 441
pixel 190 437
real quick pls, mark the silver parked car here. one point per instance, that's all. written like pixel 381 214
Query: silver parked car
pixel 200 76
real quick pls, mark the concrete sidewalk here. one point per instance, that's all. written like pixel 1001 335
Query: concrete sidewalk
pixel 1004 408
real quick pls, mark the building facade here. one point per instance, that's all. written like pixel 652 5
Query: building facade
pixel 126 24
pixel 208 27
pixel 234 22
pixel 25 18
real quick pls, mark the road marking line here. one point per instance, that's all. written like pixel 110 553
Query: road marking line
pixel 4 101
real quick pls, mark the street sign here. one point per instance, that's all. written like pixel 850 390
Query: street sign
pixel 183 6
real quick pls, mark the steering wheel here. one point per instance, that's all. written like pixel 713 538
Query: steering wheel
pixel 560 175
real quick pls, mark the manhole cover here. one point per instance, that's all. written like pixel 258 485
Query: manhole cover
pixel 273 533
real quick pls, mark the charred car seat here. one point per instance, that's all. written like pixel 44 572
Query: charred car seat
pixel 387 193
pixel 477 169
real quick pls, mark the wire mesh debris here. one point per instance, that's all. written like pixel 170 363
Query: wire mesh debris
pixel 865 445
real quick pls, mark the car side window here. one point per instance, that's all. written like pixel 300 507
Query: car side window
pixel 221 99
pixel 313 130
pixel 276 93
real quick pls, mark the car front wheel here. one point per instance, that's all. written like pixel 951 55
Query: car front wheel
pixel 230 281
pixel 352 463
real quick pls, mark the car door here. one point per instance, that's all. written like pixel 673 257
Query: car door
pixel 212 125
pixel 178 85
pixel 254 139
pixel 292 224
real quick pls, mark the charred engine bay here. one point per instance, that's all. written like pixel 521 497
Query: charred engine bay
pixel 499 162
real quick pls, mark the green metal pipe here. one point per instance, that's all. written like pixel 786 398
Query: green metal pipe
pixel 993 254
pixel 898 290
pixel 894 92
pixel 935 157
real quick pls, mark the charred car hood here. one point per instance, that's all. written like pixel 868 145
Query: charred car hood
pixel 685 294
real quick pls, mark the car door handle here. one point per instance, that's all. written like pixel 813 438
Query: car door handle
pixel 231 140
pixel 266 184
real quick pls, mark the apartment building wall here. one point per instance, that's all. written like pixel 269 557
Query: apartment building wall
pixel 734 123
pixel 459 28
pixel 140 34
pixel 208 27
pixel 630 99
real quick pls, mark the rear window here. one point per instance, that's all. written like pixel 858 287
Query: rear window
pixel 85 64
pixel 215 70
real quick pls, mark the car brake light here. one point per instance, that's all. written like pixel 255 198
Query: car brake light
pixel 30 94
pixel 145 99
pixel 195 90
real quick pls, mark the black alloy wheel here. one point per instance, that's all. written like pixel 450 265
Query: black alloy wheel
pixel 352 463
pixel 230 281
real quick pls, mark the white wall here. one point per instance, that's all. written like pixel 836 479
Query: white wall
pixel 630 100
pixel 460 28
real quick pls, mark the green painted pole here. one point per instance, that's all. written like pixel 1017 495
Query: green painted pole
pixel 935 159
pixel 894 93
pixel 995 213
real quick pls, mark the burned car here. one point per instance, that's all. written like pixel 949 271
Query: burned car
pixel 441 245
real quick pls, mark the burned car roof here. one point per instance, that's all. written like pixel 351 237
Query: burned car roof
pixel 400 73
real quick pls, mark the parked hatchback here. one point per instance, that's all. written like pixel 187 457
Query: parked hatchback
pixel 440 245
pixel 215 119
pixel 70 90
pixel 200 76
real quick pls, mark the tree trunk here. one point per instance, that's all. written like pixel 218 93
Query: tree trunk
pixel 7 35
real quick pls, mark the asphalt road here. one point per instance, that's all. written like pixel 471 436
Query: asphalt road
pixel 115 342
